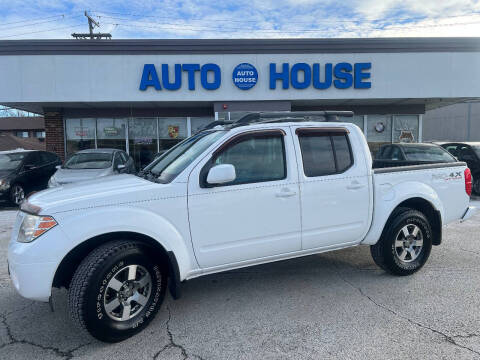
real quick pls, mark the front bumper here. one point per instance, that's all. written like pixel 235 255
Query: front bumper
pixel 32 266
pixel 33 281
pixel 4 193
pixel 471 210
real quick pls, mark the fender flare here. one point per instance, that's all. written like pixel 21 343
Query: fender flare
pixel 389 200
pixel 105 220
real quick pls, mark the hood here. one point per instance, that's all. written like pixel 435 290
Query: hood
pixel 107 190
pixel 66 176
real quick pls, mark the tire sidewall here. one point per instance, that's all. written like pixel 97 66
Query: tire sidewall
pixel 97 320
pixel 415 218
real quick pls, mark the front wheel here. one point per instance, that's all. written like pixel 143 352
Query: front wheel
pixel 17 194
pixel 116 291
pixel 405 244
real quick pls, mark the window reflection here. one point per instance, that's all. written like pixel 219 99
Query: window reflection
pixel 80 135
pixel 111 133
pixel 142 140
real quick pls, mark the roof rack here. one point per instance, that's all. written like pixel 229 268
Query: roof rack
pixel 280 116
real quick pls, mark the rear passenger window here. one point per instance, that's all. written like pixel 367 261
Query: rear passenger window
pixel 317 154
pixel 325 153
pixel 342 152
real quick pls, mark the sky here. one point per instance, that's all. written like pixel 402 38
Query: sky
pixel 43 19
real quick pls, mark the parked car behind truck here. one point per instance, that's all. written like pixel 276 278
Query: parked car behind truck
pixel 24 171
pixel 249 193
pixel 91 164
pixel 403 154
pixel 468 152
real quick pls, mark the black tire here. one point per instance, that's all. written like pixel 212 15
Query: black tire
pixel 89 290
pixel 385 253
pixel 13 194
pixel 476 185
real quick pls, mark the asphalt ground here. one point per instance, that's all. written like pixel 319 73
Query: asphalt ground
pixel 335 305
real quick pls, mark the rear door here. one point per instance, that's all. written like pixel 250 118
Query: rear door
pixel 334 187
pixel 255 216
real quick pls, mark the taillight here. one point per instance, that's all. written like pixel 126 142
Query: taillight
pixel 468 181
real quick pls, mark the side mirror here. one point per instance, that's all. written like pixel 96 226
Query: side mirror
pixel 221 174
pixel 121 167
pixel 58 167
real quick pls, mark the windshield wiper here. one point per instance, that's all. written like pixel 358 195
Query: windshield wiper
pixel 148 175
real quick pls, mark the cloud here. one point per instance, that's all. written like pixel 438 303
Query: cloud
pixel 234 19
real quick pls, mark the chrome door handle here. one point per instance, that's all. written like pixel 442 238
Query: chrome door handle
pixel 284 193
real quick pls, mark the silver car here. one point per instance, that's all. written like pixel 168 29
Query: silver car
pixel 91 164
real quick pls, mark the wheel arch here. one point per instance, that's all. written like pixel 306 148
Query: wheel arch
pixel 432 214
pixel 71 261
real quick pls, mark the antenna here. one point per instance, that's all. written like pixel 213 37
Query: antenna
pixel 91 35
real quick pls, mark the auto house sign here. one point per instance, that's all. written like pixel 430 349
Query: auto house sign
pixel 300 75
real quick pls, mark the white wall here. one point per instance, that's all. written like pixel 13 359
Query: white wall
pixel 98 78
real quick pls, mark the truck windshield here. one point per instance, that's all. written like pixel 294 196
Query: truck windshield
pixel 10 161
pixel 89 161
pixel 427 153
pixel 173 162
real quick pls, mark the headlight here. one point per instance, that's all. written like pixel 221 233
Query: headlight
pixel 34 226
pixel 52 182
pixel 4 184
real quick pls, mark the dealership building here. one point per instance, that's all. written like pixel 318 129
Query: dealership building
pixel 144 96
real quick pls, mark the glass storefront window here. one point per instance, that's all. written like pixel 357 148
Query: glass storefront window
pixel 170 132
pixel 379 131
pixel 405 128
pixel 111 133
pixel 142 140
pixel 80 134
pixel 198 123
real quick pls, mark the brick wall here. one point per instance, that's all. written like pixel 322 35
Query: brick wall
pixel 54 133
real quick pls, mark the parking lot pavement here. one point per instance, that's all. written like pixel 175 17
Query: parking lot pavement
pixel 332 305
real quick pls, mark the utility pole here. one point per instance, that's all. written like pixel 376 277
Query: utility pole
pixel 91 35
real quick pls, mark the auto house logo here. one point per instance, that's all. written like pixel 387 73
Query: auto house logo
pixel 245 76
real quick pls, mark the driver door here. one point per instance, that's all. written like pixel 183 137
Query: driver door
pixel 255 216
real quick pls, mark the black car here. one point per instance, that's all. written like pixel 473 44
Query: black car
pixel 24 171
pixel 404 154
pixel 470 153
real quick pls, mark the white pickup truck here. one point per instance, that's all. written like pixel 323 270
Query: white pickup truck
pixel 238 195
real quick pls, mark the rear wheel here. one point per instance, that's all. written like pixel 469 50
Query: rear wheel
pixel 117 290
pixel 405 244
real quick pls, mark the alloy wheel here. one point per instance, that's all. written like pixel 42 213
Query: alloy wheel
pixel 18 194
pixel 127 293
pixel 409 243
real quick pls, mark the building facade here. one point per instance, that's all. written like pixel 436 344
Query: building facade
pixel 23 126
pixel 144 96
pixel 457 122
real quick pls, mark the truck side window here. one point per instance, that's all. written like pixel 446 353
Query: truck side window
pixel 343 153
pixel 256 159
pixel 325 153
